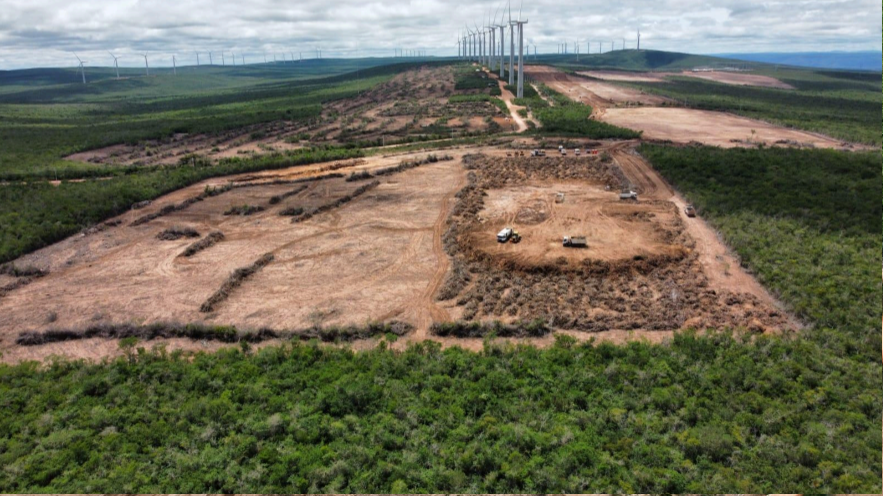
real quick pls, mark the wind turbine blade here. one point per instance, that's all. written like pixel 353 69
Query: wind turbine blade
pixel 519 9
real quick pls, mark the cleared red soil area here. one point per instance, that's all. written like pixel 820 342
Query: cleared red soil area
pixel 642 272
pixel 739 79
pixel 725 77
pixel 628 77
pixel 385 256
pixel 597 94
pixel 401 107
pixel 681 125
pixel 374 258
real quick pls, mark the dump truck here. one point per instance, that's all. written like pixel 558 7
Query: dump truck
pixel 559 198
pixel 576 152
pixel 628 195
pixel 575 242
pixel 504 235
pixel 690 211
pixel 538 153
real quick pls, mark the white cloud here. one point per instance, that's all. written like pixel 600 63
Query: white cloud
pixel 44 32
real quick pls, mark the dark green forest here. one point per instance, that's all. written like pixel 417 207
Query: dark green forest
pixel 704 414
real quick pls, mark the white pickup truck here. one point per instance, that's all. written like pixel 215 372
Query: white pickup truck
pixel 628 195
pixel 504 235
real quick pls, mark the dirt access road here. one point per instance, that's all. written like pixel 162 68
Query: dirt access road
pixel 720 264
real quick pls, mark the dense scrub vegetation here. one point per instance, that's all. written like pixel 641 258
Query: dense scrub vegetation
pixel 565 117
pixel 845 108
pixel 705 414
pixel 806 221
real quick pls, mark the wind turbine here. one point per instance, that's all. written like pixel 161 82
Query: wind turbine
pixel 210 62
pixel 520 25
pixel 116 65
pixel 511 48
pixel 174 66
pixel 223 60
pixel 82 67
pixel 146 65
pixel 502 29
pixel 639 39
pixel 197 59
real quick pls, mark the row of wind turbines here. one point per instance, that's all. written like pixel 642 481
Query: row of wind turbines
pixel 116 64
pixel 480 45
pixel 564 48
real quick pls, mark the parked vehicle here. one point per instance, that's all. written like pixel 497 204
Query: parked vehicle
pixel 628 195
pixel 575 242
pixel 690 211
pixel 505 235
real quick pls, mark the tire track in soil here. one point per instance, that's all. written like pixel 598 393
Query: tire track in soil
pixel 428 310
pixel 720 265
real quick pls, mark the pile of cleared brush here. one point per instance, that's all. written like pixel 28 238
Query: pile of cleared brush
pixel 176 233
pixel 243 210
pixel 235 280
pixel 461 329
pixel 204 332
pixel 204 243
pixel 361 190
pixel 278 198
pixel 24 275
pixel 169 209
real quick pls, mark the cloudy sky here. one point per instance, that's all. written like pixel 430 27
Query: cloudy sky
pixel 44 33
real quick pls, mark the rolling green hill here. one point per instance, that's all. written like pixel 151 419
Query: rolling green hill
pixel 633 60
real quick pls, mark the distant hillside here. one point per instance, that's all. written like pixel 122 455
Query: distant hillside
pixel 632 60
pixel 865 61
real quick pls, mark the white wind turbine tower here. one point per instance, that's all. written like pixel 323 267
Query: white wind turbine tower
pixel 197 59
pixel 502 29
pixel 82 67
pixel 492 44
pixel 116 65
pixel 223 60
pixel 639 39
pixel 210 62
pixel 174 66
pixel 520 25
pixel 511 47
pixel 146 65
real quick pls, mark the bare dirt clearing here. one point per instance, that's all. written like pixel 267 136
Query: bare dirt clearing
pixel 681 125
pixel 628 77
pixel 656 283
pixel 725 77
pixel 597 94
pixel 384 255
pixel 367 259
pixel 409 105
pixel 739 79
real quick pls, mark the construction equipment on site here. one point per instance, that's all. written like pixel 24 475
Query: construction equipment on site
pixel 516 237
pixel 505 235
pixel 559 198
pixel 628 195
pixel 576 152
pixel 575 242
pixel 690 211
pixel 564 152
pixel 538 153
